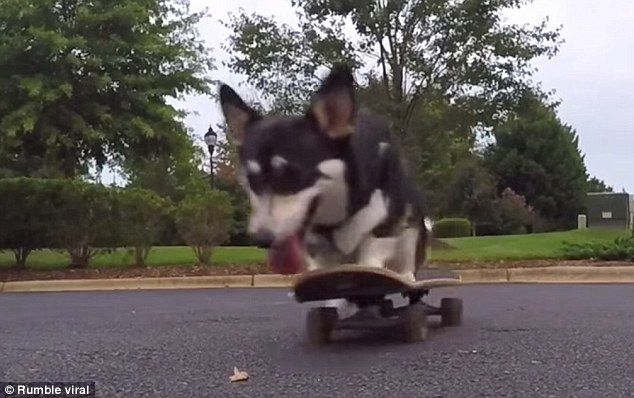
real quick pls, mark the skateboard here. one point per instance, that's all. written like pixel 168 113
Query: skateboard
pixel 367 287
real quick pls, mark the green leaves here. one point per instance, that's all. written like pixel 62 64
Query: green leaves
pixel 282 61
pixel 622 249
pixel 32 85
pixel 141 217
pixel 538 156
pixel 204 221
pixel 85 81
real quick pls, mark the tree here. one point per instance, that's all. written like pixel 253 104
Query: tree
pixel 472 193
pixel 227 181
pixel 86 81
pixel 538 157
pixel 423 49
pixel 172 176
pixel 597 185
pixel 440 70
pixel 204 222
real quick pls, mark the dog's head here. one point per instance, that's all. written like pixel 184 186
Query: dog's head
pixel 292 167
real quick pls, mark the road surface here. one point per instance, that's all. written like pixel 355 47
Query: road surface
pixel 516 341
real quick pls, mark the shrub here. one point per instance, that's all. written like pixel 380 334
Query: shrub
pixel 513 213
pixel 509 215
pixel 204 221
pixel 27 205
pixel 141 216
pixel 452 228
pixel 83 220
pixel 621 248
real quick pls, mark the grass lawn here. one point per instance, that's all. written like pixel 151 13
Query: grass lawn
pixel 476 249
pixel 518 247
pixel 165 255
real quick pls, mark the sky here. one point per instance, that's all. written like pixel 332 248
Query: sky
pixel 593 74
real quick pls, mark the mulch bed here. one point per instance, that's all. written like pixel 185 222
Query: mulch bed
pixel 9 274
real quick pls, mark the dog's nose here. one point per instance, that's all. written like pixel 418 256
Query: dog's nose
pixel 263 238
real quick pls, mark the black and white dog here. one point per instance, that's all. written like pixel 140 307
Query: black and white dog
pixel 328 187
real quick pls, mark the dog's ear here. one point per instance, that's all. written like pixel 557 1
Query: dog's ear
pixel 237 113
pixel 333 106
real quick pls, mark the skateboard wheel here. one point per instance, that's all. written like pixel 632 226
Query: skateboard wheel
pixel 413 322
pixel 451 311
pixel 319 324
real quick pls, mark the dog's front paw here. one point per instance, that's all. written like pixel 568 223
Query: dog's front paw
pixel 378 206
pixel 408 276
pixel 345 240
pixel 348 236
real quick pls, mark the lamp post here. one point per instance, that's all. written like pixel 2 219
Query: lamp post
pixel 210 141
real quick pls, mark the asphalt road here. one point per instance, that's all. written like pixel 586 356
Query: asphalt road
pixel 516 341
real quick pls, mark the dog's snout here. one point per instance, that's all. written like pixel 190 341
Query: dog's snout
pixel 263 238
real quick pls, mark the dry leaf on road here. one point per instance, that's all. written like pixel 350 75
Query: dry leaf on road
pixel 239 375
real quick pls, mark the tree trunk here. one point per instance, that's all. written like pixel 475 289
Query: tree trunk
pixel 203 254
pixel 21 254
pixel 80 256
pixel 140 255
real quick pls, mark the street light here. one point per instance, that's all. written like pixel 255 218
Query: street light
pixel 210 141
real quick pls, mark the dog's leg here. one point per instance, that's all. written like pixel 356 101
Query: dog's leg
pixel 375 252
pixel 320 252
pixel 405 255
pixel 348 237
pixel 311 263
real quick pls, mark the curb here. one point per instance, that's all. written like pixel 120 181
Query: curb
pixel 572 275
pixel 272 280
pixel 195 282
pixel 617 274
pixel 469 276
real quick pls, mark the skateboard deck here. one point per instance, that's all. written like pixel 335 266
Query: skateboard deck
pixel 355 281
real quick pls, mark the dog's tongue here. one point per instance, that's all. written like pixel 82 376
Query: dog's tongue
pixel 285 258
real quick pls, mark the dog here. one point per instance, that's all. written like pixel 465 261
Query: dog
pixel 328 187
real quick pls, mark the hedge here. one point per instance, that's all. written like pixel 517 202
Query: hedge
pixel 452 228
pixel 84 218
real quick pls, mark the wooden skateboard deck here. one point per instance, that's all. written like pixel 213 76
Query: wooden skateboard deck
pixel 350 281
